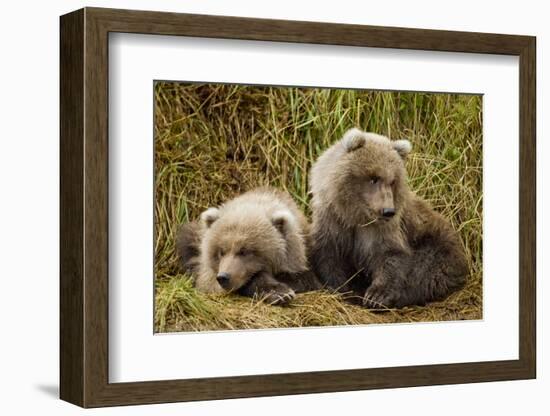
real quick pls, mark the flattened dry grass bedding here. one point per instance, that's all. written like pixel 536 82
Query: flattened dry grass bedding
pixel 214 142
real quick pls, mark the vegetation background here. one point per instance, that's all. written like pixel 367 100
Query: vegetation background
pixel 214 141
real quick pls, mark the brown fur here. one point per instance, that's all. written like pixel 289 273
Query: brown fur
pixel 256 240
pixel 411 258
pixel 188 242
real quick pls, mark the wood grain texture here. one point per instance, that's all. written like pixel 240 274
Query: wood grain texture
pixel 162 23
pixel 71 218
pixel 96 208
pixel 84 207
pixel 527 208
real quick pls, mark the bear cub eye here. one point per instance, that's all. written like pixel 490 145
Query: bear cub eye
pixel 221 253
pixel 373 180
pixel 243 252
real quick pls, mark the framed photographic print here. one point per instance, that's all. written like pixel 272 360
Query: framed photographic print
pixel 255 207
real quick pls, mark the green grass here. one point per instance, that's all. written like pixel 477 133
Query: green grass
pixel 213 142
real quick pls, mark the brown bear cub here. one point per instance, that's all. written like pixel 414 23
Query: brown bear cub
pixel 254 245
pixel 371 236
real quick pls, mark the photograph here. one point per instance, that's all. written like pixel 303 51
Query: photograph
pixel 293 207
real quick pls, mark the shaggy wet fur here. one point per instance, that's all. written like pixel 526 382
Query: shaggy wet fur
pixel 254 245
pixel 410 256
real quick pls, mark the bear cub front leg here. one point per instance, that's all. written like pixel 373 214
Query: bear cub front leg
pixel 266 287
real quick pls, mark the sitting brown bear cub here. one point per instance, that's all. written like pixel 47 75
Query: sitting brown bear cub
pixel 254 245
pixel 372 237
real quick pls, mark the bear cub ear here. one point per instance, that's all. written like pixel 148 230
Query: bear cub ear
pixel 210 216
pixel 282 220
pixel 353 139
pixel 403 147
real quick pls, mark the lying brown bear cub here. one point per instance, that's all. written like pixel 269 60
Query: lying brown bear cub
pixel 371 236
pixel 253 245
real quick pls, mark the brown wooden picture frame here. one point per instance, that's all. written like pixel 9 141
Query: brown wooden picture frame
pixel 84 207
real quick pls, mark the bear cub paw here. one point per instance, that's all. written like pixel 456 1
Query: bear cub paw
pixel 280 295
pixel 379 297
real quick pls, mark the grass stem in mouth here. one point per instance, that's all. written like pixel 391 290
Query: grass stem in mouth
pixel 369 223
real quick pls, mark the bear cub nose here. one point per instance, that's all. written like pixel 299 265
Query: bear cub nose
pixel 388 212
pixel 223 278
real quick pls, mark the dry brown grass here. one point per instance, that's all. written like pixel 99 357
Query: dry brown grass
pixel 213 142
